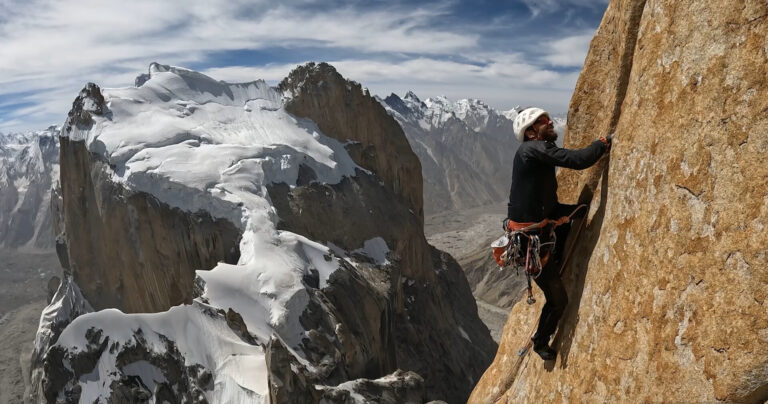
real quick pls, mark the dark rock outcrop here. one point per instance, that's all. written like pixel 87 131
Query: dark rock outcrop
pixel 181 382
pixel 419 311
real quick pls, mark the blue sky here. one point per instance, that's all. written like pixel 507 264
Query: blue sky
pixel 507 53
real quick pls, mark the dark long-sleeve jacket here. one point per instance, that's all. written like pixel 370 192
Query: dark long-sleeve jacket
pixel 533 194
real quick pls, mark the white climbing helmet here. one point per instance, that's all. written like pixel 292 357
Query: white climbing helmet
pixel 525 119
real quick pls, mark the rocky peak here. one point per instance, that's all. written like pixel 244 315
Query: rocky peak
pixel 472 105
pixel 439 111
pixel 511 114
pixel 398 105
pixel 439 101
pixel 285 223
pixel 363 123
pixel 481 117
pixel 89 101
pixel 14 138
pixel 411 96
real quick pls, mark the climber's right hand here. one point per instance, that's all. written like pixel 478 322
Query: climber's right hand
pixel 607 141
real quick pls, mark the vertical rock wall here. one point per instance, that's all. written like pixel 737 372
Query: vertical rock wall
pixel 419 314
pixel 319 91
pixel 668 284
pixel 125 249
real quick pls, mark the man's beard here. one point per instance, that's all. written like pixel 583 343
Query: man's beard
pixel 548 135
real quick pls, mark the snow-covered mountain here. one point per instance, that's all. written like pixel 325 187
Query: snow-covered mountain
pixel 243 243
pixel 28 163
pixel 465 148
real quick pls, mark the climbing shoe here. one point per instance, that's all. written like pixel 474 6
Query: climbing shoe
pixel 545 351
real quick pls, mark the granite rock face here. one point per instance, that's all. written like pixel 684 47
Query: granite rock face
pixel 142 251
pixel 343 110
pixel 668 285
pixel 415 315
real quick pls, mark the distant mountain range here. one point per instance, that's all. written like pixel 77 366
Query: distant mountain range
pixel 465 148
pixel 28 163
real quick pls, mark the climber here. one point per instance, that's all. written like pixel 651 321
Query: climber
pixel 533 198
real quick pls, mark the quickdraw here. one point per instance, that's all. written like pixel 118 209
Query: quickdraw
pixel 523 251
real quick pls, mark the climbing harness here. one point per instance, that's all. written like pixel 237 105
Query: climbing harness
pixel 521 247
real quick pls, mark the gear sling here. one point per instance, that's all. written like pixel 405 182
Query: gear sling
pixel 528 247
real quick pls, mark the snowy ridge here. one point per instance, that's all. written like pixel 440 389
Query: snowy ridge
pixel 199 337
pixel 16 140
pixel 21 152
pixel 511 114
pixel 434 113
pixel 28 164
pixel 200 144
pixel 67 304
pixel 208 145
pixel 462 145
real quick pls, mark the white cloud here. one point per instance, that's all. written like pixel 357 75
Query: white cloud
pixel 10 124
pixel 50 49
pixel 54 46
pixel 570 51
pixel 74 35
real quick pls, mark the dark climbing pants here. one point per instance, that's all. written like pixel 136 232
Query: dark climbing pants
pixel 549 281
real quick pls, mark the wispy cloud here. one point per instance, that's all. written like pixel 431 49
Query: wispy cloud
pixel 569 51
pixel 75 35
pixel 500 71
pixel 50 49
pixel 61 44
